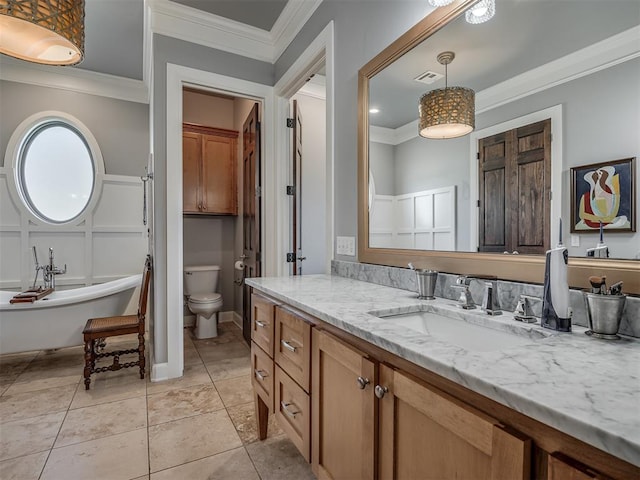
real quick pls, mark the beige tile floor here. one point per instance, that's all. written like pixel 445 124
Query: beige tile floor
pixel 200 426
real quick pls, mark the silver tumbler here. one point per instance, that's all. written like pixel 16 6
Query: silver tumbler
pixel 426 283
pixel 604 313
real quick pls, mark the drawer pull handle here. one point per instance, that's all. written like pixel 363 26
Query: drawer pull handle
pixel 261 324
pixel 288 346
pixel 363 382
pixel 285 408
pixel 261 374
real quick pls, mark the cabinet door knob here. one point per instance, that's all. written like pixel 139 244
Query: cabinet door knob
pixel 260 324
pixel 362 382
pixel 380 391
pixel 261 374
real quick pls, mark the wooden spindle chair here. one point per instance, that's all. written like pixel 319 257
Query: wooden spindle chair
pixel 98 329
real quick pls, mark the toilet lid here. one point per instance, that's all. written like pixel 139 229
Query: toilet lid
pixel 205 298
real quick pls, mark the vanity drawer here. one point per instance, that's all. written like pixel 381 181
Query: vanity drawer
pixel 292 346
pixel 262 322
pixel 292 409
pixel 262 376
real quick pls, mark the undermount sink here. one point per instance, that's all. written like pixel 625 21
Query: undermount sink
pixel 472 331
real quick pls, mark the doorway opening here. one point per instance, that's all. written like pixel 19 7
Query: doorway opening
pixel 306 186
pixel 221 205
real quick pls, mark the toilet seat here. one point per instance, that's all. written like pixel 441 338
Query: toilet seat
pixel 209 298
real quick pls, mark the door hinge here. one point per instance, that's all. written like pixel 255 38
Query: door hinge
pixel 550 195
pixel 291 189
pixel 258 191
pixel 258 257
pixel 291 257
pixel 478 203
pixel 290 122
pixel 478 155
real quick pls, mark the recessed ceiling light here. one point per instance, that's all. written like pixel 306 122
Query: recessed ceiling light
pixel 374 110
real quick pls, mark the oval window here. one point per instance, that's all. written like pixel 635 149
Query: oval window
pixel 56 172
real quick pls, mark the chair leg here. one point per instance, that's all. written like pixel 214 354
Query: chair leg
pixel 88 361
pixel 141 354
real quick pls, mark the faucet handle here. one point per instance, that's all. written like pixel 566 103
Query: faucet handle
pixel 463 280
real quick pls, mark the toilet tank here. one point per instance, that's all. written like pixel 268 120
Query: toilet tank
pixel 201 279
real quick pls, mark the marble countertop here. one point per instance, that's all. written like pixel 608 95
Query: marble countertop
pixel 585 387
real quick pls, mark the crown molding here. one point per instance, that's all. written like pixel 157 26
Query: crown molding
pixel 74 80
pixel 594 58
pixel 293 17
pixel 189 24
pixel 599 56
pixel 185 23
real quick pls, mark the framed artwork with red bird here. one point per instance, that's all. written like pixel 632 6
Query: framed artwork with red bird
pixel 604 193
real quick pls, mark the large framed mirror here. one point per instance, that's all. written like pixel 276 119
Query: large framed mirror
pixel 554 77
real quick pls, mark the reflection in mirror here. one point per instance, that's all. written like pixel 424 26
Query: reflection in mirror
pixel 503 187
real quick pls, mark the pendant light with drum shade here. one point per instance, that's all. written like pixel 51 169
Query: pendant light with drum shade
pixel 447 112
pixel 49 32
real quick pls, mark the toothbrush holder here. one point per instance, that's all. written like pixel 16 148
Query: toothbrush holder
pixel 604 313
pixel 426 283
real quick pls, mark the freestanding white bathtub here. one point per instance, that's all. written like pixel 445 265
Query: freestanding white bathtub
pixel 57 320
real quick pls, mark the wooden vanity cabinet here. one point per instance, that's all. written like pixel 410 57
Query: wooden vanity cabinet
pixel 209 158
pixel 281 361
pixel 427 434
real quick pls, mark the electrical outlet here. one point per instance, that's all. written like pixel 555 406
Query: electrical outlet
pixel 346 246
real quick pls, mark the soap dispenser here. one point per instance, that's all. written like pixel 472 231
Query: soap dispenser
pixel 556 313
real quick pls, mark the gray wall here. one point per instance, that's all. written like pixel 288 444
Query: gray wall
pixel 121 128
pixel 382 167
pixel 362 30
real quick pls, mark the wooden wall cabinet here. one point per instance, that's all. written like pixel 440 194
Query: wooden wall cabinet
pixel 209 164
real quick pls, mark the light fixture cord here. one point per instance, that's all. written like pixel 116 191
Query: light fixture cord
pixel 446 75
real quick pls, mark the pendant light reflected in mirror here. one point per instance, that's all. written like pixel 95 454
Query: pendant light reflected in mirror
pixel 447 112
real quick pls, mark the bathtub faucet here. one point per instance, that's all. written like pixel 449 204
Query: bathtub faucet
pixel 49 271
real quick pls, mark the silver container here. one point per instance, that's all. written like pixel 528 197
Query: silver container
pixel 426 283
pixel 604 313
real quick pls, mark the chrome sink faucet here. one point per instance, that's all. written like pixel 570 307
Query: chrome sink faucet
pixel 490 303
pixel 465 300
pixel 524 312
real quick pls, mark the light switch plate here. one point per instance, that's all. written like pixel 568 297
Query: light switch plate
pixel 575 240
pixel 346 246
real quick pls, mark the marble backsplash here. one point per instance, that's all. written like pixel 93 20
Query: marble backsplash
pixel 508 292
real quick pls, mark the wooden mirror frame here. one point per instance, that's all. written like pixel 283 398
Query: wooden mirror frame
pixel 522 268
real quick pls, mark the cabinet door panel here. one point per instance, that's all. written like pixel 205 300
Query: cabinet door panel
pixel 343 414
pixel 218 174
pixel 561 467
pixel 426 434
pixel 190 171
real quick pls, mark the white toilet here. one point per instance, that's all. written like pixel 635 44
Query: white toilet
pixel 200 285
